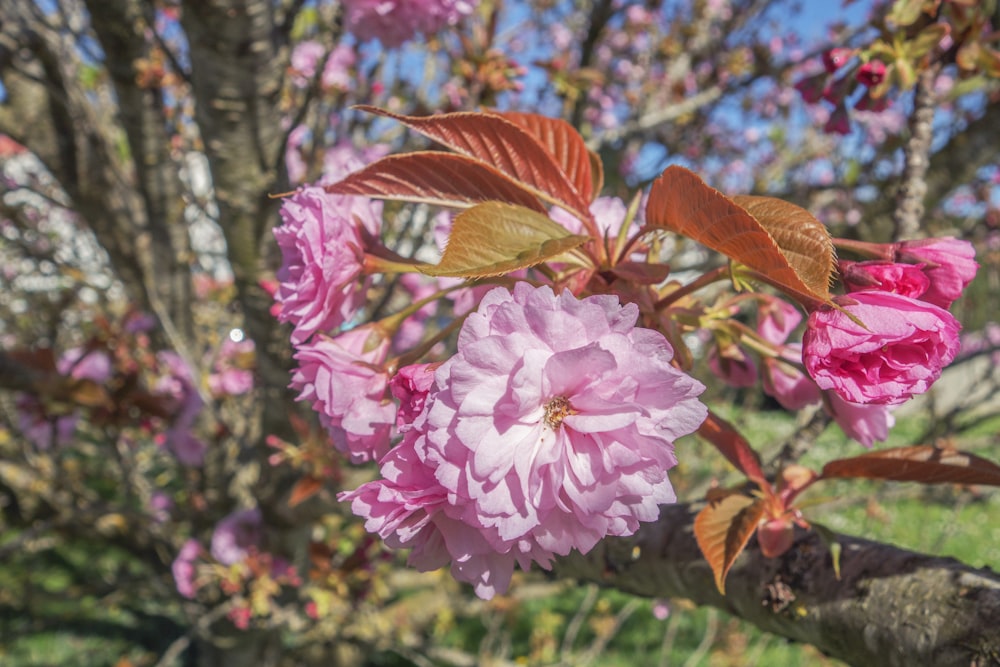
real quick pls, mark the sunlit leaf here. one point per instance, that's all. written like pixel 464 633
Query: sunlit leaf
pixel 443 179
pixel 681 202
pixel 803 240
pixel 733 446
pixel 505 146
pixel 919 463
pixel 564 144
pixel 723 529
pixel 494 238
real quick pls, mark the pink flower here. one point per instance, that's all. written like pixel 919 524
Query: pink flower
pixel 322 247
pixel 343 380
pixel 871 73
pixel 233 369
pixel 812 88
pixel 410 509
pixel 949 264
pixel 183 568
pixel 733 365
pixel 393 22
pixel 904 279
pixel 235 535
pixel 410 386
pixel 776 319
pixel 900 353
pixel 553 425
pixel 788 385
pixel 865 423
pixel 83 365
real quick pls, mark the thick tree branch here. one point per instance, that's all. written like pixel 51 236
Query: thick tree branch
pixel 888 608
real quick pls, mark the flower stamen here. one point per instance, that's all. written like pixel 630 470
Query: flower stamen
pixel 556 410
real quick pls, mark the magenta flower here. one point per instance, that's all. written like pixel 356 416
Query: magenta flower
pixel 788 385
pixel 322 247
pixel 839 121
pixel 949 264
pixel 343 381
pixel 871 73
pixel 904 279
pixel 835 58
pixel 899 352
pixel 554 424
pixel 235 535
pixel 393 22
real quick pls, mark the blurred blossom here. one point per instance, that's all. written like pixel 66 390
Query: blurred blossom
pixel 184 568
pixel 235 535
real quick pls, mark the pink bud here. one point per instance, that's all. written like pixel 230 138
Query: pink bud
pixel 811 88
pixel 775 537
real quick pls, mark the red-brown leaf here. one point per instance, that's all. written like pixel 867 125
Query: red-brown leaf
pixel 563 143
pixel 733 446
pixel 503 145
pixel 304 489
pixel 723 529
pixel 804 240
pixel 920 463
pixel 681 202
pixel 437 178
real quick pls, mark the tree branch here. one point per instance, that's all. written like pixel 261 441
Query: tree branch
pixel 889 606
pixel 909 213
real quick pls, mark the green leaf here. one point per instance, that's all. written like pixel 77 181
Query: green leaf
pixel 495 238
pixel 927 39
pixel 905 12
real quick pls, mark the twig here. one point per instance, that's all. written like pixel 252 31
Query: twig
pixel 179 645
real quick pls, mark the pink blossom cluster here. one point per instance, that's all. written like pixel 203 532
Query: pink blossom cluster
pixel 891 335
pixel 393 22
pixel 322 242
pixel 551 428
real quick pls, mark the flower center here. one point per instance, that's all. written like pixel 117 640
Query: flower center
pixel 556 410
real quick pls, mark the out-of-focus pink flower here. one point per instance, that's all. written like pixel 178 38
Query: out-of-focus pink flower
pixel 839 122
pixel 812 87
pixel 178 384
pixel 865 423
pixel 904 279
pixel 949 264
pixel 41 428
pixel 184 569
pixel 393 22
pixel 343 380
pixel 78 363
pixel 233 368
pixel 160 505
pixel 235 535
pixel 900 353
pixel 788 385
pixel 322 250
pixel 869 103
pixel 776 319
pixel 410 386
pixel 871 73
pixel 734 366
pixel 835 58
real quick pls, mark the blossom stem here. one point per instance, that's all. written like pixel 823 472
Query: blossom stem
pixel 704 280
pixel 374 264
pixel 865 249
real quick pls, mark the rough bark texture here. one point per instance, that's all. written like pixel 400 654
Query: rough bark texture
pixel 889 607
pixel 912 190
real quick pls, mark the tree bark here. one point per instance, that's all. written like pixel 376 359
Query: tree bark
pixel 889 607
